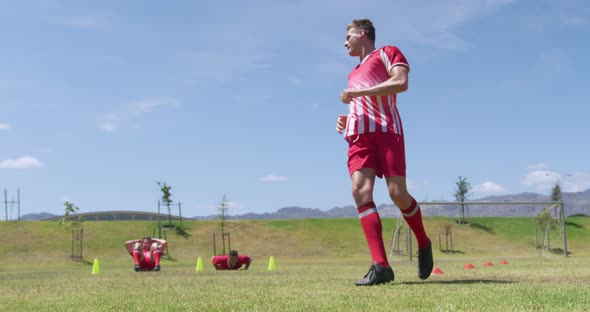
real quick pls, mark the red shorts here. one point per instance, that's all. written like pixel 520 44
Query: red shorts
pixel 146 262
pixel 146 265
pixel 384 152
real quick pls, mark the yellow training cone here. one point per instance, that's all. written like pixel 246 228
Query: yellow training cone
pixel 271 263
pixel 199 265
pixel 95 267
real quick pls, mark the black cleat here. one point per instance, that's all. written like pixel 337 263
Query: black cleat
pixel 377 275
pixel 425 261
pixel 157 268
pixel 136 268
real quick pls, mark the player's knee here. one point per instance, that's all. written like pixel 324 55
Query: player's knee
pixel 361 192
pixel 401 199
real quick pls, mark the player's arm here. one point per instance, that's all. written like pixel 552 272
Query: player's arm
pixel 214 262
pixel 162 243
pixel 248 263
pixel 397 83
pixel 341 123
pixel 131 244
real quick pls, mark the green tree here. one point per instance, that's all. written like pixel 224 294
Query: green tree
pixel 166 197
pixel 556 196
pixel 70 209
pixel 223 208
pixel 546 223
pixel 167 200
pixel 461 193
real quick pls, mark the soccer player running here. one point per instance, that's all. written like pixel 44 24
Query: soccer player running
pixel 373 129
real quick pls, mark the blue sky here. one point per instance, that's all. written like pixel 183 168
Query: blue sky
pixel 100 99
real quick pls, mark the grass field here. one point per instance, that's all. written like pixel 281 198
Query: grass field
pixel 317 263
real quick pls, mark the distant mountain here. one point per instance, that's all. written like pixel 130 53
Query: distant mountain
pixel 37 216
pixel 575 203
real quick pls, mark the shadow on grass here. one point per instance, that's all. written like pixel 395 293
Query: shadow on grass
pixel 459 282
pixel 451 252
pixel 479 226
pixel 573 224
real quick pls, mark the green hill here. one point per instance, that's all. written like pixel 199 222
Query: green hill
pixel 44 243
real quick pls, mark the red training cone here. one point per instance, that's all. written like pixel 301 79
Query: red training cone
pixel 504 262
pixel 488 264
pixel 469 266
pixel 437 271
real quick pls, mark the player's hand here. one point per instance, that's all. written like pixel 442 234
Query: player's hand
pixel 341 123
pixel 345 96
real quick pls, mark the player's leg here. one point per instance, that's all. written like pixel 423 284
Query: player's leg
pixel 363 181
pixel 413 215
pixel 137 258
pixel 391 160
pixel 156 257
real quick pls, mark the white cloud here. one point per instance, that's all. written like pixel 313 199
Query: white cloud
pixel 25 162
pixel 148 105
pixel 4 126
pixel 109 122
pixel 538 166
pixel 544 180
pixel 335 69
pixel 222 63
pixel 14 84
pixel 84 22
pixel 488 187
pixel 295 81
pixel 575 182
pixel 272 178
pixel 541 180
pixel 132 111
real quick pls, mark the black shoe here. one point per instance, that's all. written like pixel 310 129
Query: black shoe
pixel 425 261
pixel 136 268
pixel 157 268
pixel 377 275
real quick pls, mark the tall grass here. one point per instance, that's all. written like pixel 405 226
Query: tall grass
pixel 550 284
pixel 317 263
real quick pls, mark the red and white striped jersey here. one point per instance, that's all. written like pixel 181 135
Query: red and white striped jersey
pixel 374 113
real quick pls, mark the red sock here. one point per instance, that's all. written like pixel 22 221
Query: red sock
pixel 373 229
pixel 157 257
pixel 136 255
pixel 413 217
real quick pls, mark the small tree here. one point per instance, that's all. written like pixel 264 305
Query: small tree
pixel 77 230
pixel 70 208
pixel 223 208
pixel 546 223
pixel 463 187
pixel 556 196
pixel 166 198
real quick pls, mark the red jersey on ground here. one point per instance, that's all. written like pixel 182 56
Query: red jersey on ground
pixel 222 262
pixel 374 113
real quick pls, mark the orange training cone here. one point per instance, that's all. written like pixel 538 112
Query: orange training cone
pixel 504 262
pixel 437 271
pixel 469 266
pixel 488 264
